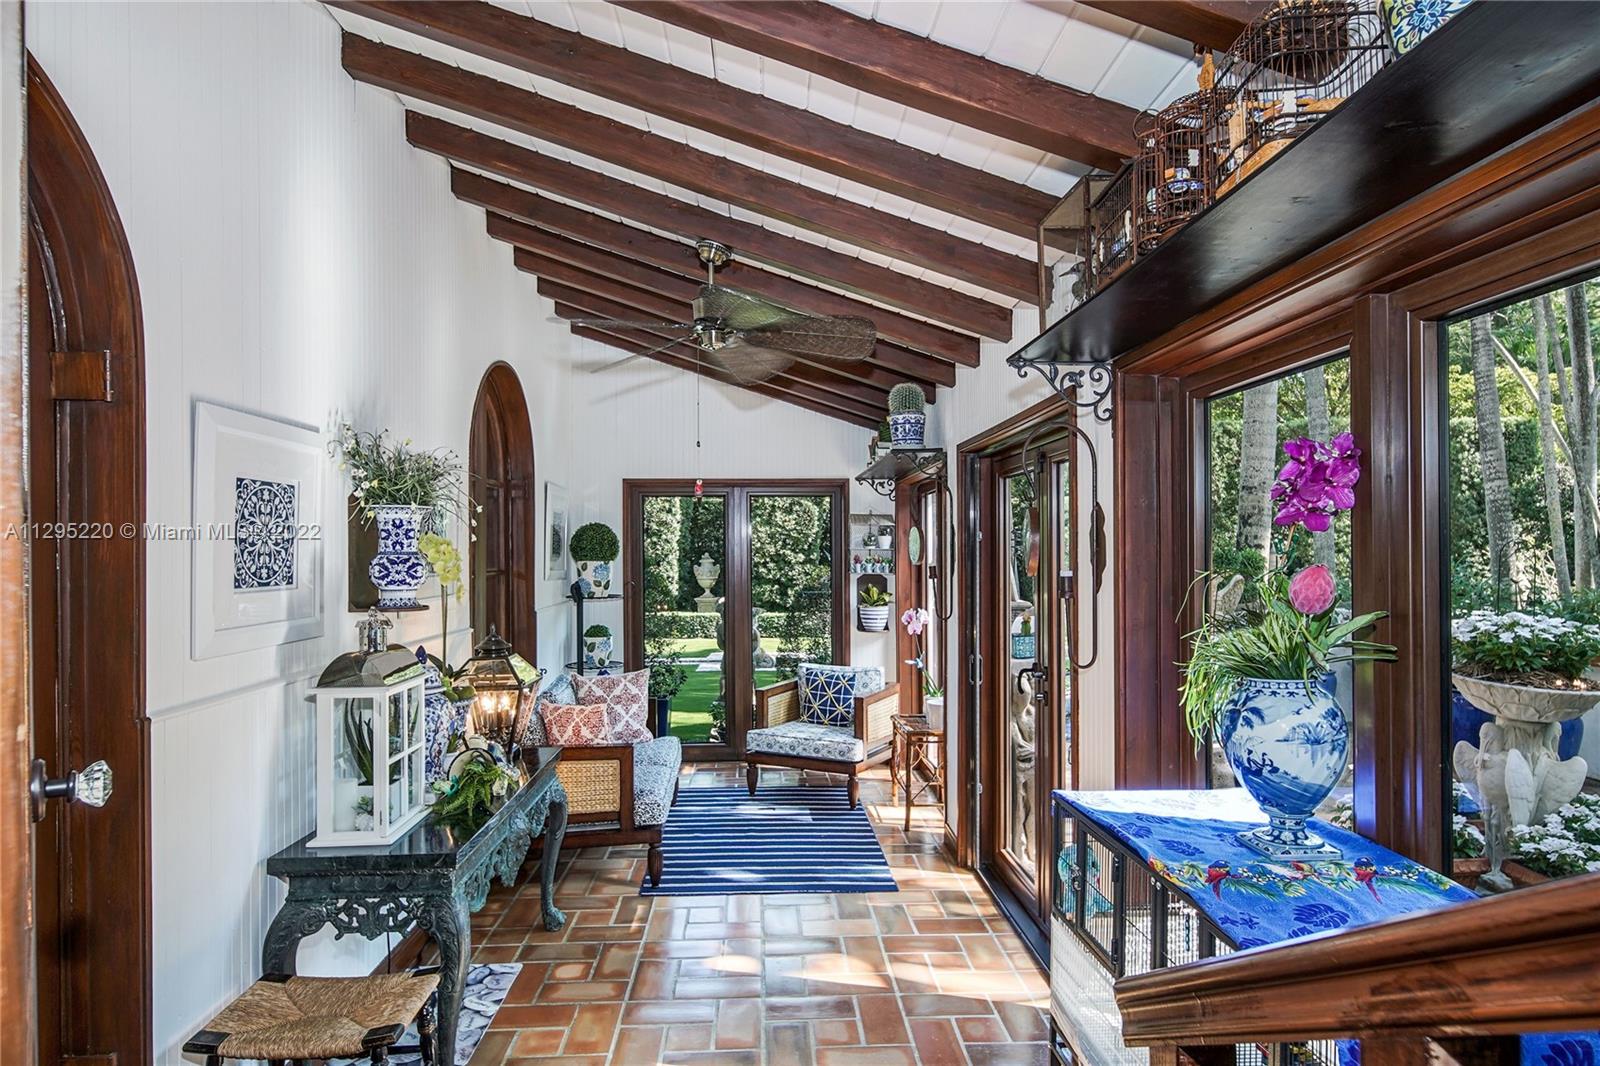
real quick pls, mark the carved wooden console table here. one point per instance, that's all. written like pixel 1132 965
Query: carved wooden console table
pixel 433 877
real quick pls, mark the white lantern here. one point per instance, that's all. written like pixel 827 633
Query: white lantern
pixel 371 743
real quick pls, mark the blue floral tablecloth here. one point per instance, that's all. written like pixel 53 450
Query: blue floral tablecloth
pixel 1188 839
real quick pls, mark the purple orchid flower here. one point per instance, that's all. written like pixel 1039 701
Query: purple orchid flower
pixel 1317 482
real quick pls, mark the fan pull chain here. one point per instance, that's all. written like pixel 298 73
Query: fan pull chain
pixel 699 482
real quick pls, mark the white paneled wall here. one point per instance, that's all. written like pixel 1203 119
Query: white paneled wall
pixel 295 258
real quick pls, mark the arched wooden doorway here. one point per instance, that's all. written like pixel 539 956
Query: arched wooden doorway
pixel 500 462
pixel 86 461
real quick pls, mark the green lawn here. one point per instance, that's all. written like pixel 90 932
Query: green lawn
pixel 690 717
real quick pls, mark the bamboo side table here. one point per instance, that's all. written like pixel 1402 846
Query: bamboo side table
pixel 918 748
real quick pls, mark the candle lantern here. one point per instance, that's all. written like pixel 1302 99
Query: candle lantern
pixel 371 742
pixel 504 684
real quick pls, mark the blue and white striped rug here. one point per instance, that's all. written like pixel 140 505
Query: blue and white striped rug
pixel 721 841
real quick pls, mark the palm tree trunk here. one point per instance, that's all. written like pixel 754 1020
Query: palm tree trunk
pixel 1581 432
pixel 1582 502
pixel 1492 455
pixel 1554 511
pixel 1317 428
pixel 1258 440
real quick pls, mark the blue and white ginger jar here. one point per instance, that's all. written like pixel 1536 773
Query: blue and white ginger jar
pixel 399 569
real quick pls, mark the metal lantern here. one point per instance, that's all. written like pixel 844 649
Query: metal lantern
pixel 371 742
pixel 504 684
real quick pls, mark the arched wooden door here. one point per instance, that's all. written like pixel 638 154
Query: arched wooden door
pixel 86 627
pixel 500 462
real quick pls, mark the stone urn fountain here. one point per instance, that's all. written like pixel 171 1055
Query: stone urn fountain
pixel 706 572
pixel 1519 774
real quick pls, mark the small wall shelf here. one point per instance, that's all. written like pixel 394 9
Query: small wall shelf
pixel 892 465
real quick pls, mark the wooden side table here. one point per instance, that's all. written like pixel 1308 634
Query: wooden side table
pixel 918 748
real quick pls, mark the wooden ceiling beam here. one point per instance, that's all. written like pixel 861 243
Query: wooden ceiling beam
pixel 688 168
pixel 874 57
pixel 1212 24
pixel 752 119
pixel 509 202
pixel 675 287
pixel 791 393
pixel 633 304
pixel 691 221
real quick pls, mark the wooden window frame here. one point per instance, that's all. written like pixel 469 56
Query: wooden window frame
pixel 1519 221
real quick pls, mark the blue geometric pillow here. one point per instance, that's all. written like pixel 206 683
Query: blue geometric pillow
pixel 827 695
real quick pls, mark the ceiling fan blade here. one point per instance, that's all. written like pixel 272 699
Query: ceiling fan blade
pixel 620 323
pixel 741 310
pixel 634 356
pixel 835 338
pixel 748 364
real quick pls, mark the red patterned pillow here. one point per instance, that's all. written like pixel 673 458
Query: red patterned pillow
pixel 575 725
pixel 626 697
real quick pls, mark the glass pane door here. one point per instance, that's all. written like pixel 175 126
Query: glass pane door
pixel 791 585
pixel 1065 592
pixel 1018 822
pixel 685 641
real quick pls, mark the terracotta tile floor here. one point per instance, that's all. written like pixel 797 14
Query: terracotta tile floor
pixel 931 974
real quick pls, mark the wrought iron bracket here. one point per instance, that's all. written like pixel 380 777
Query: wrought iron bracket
pixel 887 470
pixel 1086 383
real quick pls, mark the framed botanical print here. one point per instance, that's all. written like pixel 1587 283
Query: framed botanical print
pixel 555 531
pixel 256 537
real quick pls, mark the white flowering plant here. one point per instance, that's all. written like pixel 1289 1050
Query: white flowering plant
pixel 1567 842
pixel 1466 838
pixel 384 471
pixel 1528 649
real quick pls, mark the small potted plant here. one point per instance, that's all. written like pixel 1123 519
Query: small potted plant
pixel 593 547
pixel 916 621
pixel 885 537
pixel 597 647
pixel 667 677
pixel 406 493
pixel 874 609
pixel 906 415
pixel 1023 644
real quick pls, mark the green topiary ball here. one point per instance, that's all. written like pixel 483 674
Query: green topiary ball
pixel 594 542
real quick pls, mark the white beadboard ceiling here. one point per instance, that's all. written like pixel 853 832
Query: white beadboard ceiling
pixel 1062 41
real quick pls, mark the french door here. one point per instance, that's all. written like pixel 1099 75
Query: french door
pixel 730 586
pixel 1025 706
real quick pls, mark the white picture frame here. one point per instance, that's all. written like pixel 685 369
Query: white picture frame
pixel 555 531
pixel 257 532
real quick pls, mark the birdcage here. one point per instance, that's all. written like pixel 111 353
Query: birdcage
pixel 1292 66
pixel 1175 170
pixel 1111 243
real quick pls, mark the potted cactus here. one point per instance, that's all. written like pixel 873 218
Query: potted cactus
pixel 594 546
pixel 906 416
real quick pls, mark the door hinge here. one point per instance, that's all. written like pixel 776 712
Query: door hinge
pixel 80 376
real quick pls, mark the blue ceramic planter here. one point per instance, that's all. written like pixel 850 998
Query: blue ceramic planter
pixel 399 569
pixel 1287 743
pixel 905 430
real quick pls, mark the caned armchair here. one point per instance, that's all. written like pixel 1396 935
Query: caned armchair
pixel 782 736
pixel 620 794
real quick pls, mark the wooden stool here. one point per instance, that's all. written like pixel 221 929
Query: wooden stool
pixel 284 1019
pixel 916 743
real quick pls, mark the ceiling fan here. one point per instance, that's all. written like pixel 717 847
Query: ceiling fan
pixel 749 337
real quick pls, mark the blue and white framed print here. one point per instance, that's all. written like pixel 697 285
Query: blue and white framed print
pixel 555 531
pixel 256 536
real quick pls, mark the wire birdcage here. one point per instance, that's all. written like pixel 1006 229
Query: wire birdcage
pixel 1290 68
pixel 1111 237
pixel 1175 170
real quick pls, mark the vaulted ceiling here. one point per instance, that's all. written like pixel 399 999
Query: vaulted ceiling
pixel 886 159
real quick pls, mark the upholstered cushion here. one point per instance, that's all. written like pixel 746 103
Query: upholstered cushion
pixel 807 740
pixel 557 689
pixel 652 792
pixel 626 700
pixel 575 725
pixel 659 751
pixel 827 696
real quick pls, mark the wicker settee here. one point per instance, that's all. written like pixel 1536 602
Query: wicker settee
pixel 782 737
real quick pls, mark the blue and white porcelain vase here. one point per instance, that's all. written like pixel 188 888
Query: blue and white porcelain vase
pixel 445 720
pixel 1287 743
pixel 905 430
pixel 597 652
pixel 594 577
pixel 398 569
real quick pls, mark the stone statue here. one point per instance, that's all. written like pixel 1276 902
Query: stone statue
pixel 1021 729
pixel 1520 780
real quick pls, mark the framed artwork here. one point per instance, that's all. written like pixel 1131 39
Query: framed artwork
pixel 555 531
pixel 256 538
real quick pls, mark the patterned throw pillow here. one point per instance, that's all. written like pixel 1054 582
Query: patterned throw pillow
pixel 626 697
pixel 827 695
pixel 575 725
pixel 557 689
